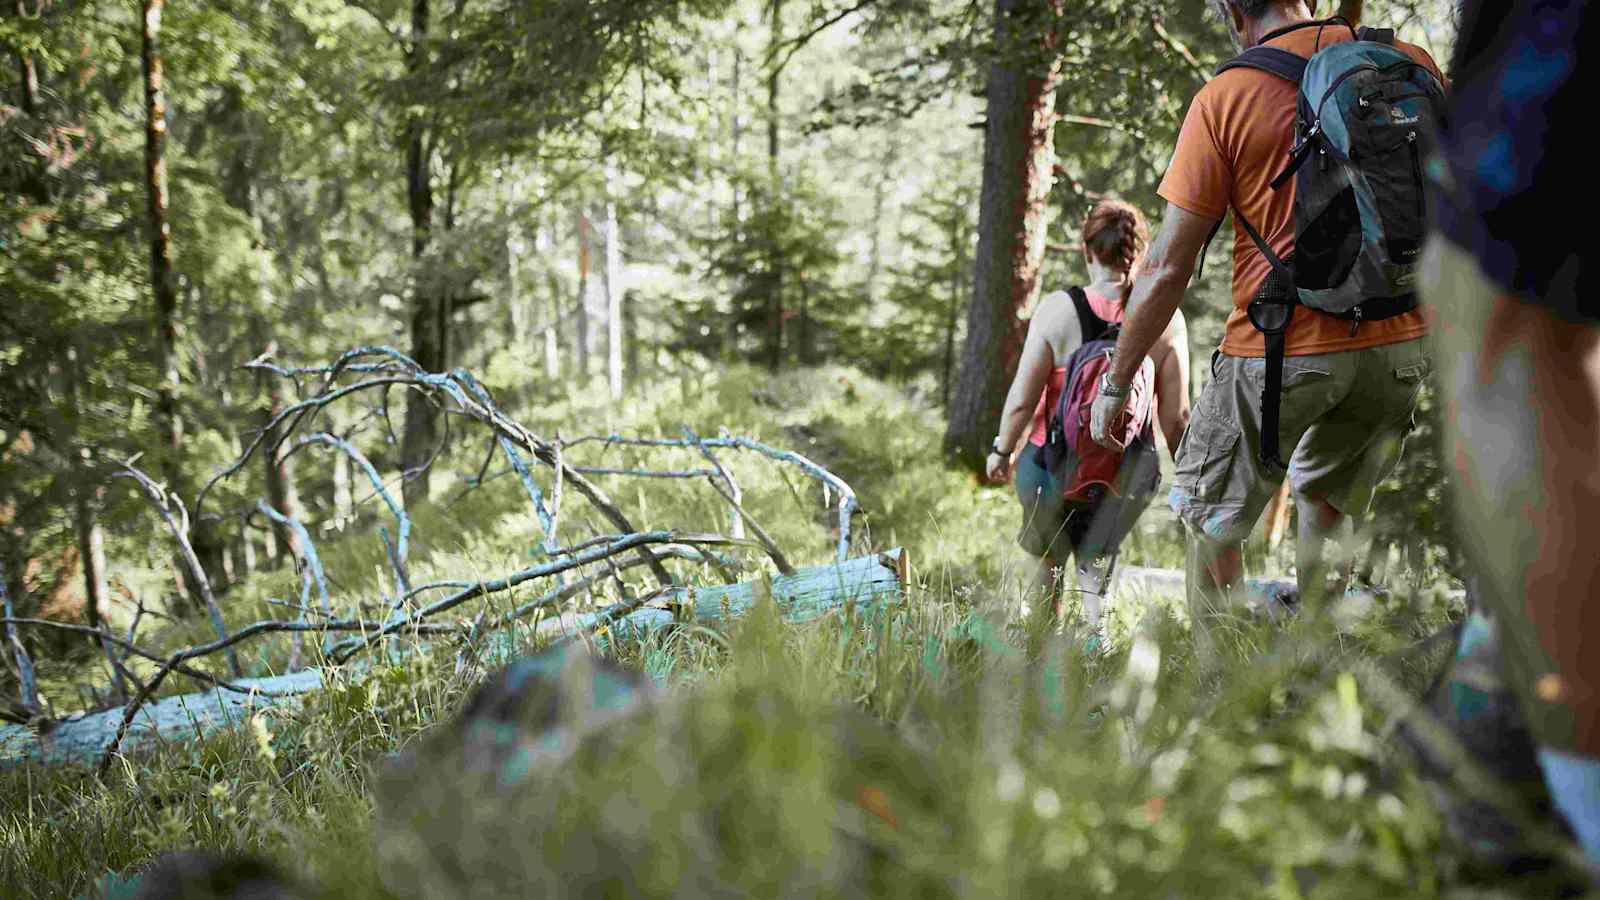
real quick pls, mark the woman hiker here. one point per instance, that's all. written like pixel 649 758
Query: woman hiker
pixel 1054 528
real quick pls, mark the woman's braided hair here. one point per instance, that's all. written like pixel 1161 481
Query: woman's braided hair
pixel 1115 234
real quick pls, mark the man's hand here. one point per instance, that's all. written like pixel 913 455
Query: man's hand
pixel 999 468
pixel 1103 418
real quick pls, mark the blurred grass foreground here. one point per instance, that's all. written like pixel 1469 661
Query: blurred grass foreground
pixel 944 745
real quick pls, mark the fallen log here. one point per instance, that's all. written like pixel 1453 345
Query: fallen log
pixel 801 596
pixel 804 595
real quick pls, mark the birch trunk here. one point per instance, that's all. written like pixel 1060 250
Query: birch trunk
pixel 581 319
pixel 613 288
pixel 96 592
pixel 775 262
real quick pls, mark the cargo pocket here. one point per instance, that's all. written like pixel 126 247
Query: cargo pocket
pixel 1303 399
pixel 1414 375
pixel 1207 456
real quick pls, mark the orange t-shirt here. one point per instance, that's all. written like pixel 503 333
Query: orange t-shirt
pixel 1235 139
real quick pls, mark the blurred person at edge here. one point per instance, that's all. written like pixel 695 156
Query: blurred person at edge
pixel 1518 340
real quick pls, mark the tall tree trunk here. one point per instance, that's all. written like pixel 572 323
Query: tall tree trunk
pixel 806 356
pixel 28 683
pixel 880 196
pixel 1017 157
pixel 90 536
pixel 161 280
pixel 774 80
pixel 630 342
pixel 96 592
pixel 775 260
pixel 552 336
pixel 581 320
pixel 247 562
pixel 344 498
pixel 28 75
pixel 613 284
pixel 958 275
pixel 738 133
pixel 429 320
pixel 283 492
pixel 543 242
pixel 516 305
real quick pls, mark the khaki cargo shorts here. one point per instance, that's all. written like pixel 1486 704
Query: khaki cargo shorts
pixel 1346 416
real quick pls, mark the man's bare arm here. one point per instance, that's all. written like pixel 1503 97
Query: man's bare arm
pixel 1171 357
pixel 1158 290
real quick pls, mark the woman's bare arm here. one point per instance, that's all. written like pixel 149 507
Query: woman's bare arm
pixel 1054 330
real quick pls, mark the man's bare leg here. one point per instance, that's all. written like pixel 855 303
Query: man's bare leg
pixel 1317 520
pixel 1214 570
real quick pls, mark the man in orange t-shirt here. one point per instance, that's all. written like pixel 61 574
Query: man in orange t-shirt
pixel 1349 388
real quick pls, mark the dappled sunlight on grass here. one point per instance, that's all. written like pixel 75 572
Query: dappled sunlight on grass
pixel 950 745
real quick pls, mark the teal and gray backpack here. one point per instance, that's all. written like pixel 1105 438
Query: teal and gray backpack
pixel 1366 120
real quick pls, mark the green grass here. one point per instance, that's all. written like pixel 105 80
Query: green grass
pixel 945 747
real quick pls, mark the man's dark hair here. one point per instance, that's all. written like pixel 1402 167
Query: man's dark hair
pixel 1255 9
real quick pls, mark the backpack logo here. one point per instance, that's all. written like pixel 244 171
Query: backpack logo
pixel 1398 116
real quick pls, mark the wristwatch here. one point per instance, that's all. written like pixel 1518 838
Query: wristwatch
pixel 1109 389
pixel 995 447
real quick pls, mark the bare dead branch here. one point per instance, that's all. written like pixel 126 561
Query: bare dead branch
pixel 308 549
pixel 615 545
pixel 556 451
pixel 25 675
pixel 163 502
pixel 393 35
pixel 381 368
pixel 132 710
pixel 740 516
pixel 397 554
pixel 847 496
pixel 402 583
pixel 1178 47
pixel 254 629
pixel 646 473
pixel 605 618
pixel 797 43
pixel 1096 122
pixel 297 410
pixel 472 400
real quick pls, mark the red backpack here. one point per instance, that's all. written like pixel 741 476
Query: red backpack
pixel 1086 469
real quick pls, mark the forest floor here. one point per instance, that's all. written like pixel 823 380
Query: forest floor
pixel 1013 763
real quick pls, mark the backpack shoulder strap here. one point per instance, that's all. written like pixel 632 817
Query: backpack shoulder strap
pixel 1290 68
pixel 1278 62
pixel 1092 326
pixel 1376 35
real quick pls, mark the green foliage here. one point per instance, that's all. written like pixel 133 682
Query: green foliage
pixel 992 758
pixel 780 264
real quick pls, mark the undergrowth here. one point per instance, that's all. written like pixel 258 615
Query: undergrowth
pixel 946 746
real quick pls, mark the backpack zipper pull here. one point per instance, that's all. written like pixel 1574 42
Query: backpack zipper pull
pixel 1355 325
